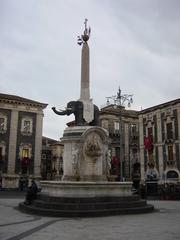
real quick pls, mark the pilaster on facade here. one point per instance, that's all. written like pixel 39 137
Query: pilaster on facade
pixel 178 119
pixel 126 150
pixel 161 164
pixel 141 146
pixel 12 142
pixel 178 144
pixel 142 163
pixel 38 144
pixel 159 127
pixel 160 143
pixel 141 132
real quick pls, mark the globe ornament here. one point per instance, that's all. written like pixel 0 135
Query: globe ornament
pixel 85 38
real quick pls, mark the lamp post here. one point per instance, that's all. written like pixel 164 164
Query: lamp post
pixel 119 102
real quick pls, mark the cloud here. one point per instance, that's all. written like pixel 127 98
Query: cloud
pixel 134 44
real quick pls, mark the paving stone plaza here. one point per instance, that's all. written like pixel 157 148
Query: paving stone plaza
pixel 163 224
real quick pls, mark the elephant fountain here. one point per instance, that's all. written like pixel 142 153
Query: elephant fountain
pixel 77 107
pixel 84 189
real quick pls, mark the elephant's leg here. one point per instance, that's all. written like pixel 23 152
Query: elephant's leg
pixel 79 120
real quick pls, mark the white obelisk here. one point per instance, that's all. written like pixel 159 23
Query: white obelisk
pixel 85 91
pixel 88 112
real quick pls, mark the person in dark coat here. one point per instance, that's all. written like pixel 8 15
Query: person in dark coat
pixel 31 193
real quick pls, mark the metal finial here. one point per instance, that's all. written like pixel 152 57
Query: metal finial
pixel 85 23
pixel 119 93
pixel 84 37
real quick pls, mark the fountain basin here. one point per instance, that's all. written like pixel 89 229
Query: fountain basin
pixel 86 189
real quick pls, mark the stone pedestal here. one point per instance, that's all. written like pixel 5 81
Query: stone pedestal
pixel 84 190
pixel 85 154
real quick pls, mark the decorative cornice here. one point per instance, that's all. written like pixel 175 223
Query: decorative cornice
pixel 13 99
pixel 110 110
pixel 160 106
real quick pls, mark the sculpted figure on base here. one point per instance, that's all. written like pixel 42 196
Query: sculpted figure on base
pixel 76 107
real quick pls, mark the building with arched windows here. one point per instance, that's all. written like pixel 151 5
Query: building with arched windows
pixel 52 159
pixel 159 132
pixel 21 122
pixel 129 160
pixel 150 142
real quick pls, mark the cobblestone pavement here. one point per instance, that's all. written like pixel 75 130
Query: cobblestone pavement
pixel 163 224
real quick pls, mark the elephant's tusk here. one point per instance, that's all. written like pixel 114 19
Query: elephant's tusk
pixel 61 110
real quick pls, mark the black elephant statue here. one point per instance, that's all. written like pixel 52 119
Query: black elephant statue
pixel 76 107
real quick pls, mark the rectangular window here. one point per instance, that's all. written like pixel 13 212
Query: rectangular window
pixel 169 130
pixel 27 125
pixel 133 129
pixel 25 161
pixel 150 133
pixel 170 153
pixel 25 153
pixel 2 124
pixel 43 156
pixel 116 126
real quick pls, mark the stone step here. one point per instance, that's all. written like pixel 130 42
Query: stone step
pixel 54 199
pixel 85 213
pixel 88 205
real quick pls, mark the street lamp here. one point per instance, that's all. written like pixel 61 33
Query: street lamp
pixel 119 101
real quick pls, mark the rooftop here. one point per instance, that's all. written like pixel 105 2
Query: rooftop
pixel 20 100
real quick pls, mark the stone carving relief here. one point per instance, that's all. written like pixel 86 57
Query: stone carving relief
pixel 108 162
pixel 27 126
pixel 75 159
pixel 93 146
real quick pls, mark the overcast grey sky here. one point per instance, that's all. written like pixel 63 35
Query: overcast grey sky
pixel 134 44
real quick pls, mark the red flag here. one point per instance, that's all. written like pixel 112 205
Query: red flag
pixel 148 143
pixel 25 161
pixel 115 161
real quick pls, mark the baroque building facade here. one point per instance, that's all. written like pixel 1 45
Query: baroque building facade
pixel 52 159
pixel 21 122
pixel 129 161
pixel 150 142
pixel 159 132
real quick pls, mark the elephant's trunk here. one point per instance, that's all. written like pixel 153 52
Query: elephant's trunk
pixel 68 109
pixel 62 112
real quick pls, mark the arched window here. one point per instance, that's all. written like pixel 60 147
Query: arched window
pixel 172 174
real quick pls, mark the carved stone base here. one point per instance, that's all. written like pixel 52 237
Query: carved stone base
pixel 85 154
pixel 86 189
pixel 86 199
pixel 85 178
